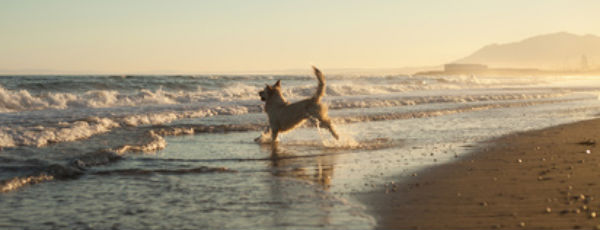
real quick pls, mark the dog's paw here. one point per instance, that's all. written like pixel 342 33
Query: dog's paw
pixel 263 139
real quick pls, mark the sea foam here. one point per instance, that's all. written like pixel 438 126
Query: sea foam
pixel 23 100
pixel 63 131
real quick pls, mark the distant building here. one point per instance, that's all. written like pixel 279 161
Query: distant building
pixel 464 67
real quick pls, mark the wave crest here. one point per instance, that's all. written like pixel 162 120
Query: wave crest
pixel 23 100
pixel 42 135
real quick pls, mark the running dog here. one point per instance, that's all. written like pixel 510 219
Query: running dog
pixel 285 116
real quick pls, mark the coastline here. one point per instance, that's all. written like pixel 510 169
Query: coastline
pixel 535 179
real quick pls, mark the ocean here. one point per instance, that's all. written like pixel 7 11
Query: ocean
pixel 178 152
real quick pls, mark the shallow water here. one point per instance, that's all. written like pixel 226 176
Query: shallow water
pixel 157 152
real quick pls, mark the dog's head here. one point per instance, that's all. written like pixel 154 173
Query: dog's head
pixel 269 91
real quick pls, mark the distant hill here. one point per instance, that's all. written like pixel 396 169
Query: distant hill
pixel 558 51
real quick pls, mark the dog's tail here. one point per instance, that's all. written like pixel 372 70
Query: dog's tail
pixel 321 89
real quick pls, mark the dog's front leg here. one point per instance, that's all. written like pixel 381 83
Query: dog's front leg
pixel 327 124
pixel 274 133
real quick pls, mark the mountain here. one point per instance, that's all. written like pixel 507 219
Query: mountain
pixel 558 51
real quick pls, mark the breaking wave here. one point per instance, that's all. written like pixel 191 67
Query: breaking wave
pixel 23 100
pixel 42 172
pixel 62 172
pixel 18 182
pixel 151 142
pixel 64 131
pixel 437 112
pixel 81 165
pixel 40 96
pixel 42 135
pixel 392 102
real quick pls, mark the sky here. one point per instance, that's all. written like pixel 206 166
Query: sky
pixel 237 36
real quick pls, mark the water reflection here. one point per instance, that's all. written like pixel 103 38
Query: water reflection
pixel 312 166
pixel 303 187
pixel 315 168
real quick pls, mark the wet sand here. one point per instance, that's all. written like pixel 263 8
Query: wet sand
pixel 543 179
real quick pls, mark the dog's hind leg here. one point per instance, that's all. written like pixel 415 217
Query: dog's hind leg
pixel 326 122
pixel 260 139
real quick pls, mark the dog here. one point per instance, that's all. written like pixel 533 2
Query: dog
pixel 284 116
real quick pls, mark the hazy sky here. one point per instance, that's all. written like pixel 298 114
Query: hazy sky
pixel 146 36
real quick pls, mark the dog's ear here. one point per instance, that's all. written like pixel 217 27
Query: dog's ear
pixel 277 84
pixel 267 86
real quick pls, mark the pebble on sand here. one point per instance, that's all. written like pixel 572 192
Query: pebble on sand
pixel 522 224
pixel 548 210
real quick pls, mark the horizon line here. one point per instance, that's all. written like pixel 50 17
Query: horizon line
pixel 335 70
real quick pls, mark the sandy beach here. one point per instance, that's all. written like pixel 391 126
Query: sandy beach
pixel 543 179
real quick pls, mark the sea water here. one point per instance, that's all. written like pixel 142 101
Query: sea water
pixel 178 152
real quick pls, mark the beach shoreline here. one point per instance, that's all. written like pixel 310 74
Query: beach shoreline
pixel 540 179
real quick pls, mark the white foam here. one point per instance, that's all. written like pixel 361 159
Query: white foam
pixel 351 86
pixel 392 102
pixel 153 142
pixel 150 119
pixel 176 131
pixel 167 117
pixel 18 182
pixel 346 139
pixel 23 100
pixel 43 134
pixel 39 135
pixel 20 100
